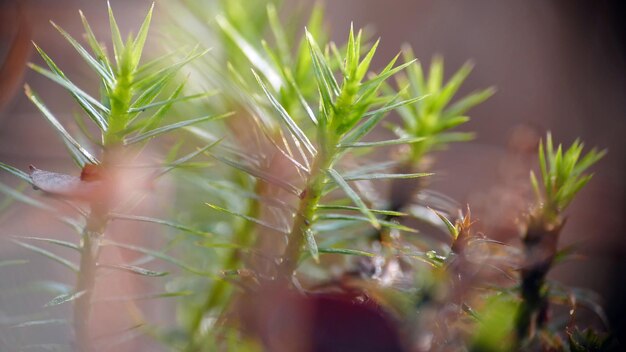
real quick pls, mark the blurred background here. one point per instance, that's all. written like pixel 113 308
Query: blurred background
pixel 558 65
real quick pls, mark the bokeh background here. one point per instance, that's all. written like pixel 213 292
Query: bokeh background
pixel 558 65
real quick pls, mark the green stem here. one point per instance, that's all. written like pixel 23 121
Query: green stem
pixel 308 205
pixel 120 101
pixel 329 133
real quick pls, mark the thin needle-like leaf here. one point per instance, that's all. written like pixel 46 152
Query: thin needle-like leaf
pixel 161 256
pixel 347 207
pixel 165 129
pixel 251 53
pixel 291 124
pixel 248 218
pixel 140 40
pixel 48 254
pixel 346 251
pixel 97 66
pixel 118 43
pixel 394 106
pixel 346 217
pixel 354 197
pixel 408 140
pixel 61 243
pixel 380 176
pixel 57 125
pixel 259 174
pixel 170 101
pixel 454 232
pixel 117 216
pixel 65 83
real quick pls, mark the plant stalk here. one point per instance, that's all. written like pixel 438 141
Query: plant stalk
pixel 120 101
pixel 540 247
pixel 309 201
pixel 90 251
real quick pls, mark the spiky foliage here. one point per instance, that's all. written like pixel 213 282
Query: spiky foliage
pixel 293 198
pixel 135 100
pixel 563 175
pixel 432 118
pixel 347 110
pixel 429 123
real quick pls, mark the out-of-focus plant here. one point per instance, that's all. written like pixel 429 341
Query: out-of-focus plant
pixel 563 175
pixel 129 113
pixel 430 120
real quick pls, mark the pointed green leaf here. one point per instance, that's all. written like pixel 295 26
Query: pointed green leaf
pixel 117 216
pixel 155 120
pixel 365 63
pixel 140 40
pixel 181 161
pixel 346 251
pixel 57 125
pixel 96 48
pixel 116 37
pixel 408 140
pixel 455 137
pixel 171 101
pixel 289 122
pixel 468 102
pixel 394 106
pixel 383 223
pixel 435 75
pixel 324 78
pixel 279 35
pixel 354 197
pixel 165 129
pixel 365 127
pixel 88 103
pixel 386 73
pixel 265 176
pixel 159 255
pixel 347 207
pixel 97 66
pixel 449 225
pixel 251 53
pixel 248 218
pixel 453 85
pixel 381 176
pixel 535 185
pixel 301 98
